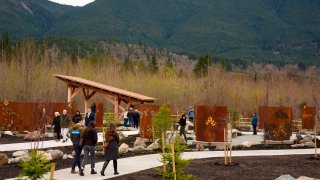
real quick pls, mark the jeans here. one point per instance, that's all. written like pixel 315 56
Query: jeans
pixel 126 122
pixel 89 150
pixel 76 162
pixel 131 122
pixel 64 132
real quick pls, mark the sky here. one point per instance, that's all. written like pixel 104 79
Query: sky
pixel 73 2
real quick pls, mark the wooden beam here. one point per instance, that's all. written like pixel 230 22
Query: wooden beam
pixel 109 99
pixel 69 95
pixel 116 107
pixel 75 92
pixel 91 94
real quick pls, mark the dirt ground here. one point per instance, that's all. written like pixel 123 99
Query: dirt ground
pixel 249 168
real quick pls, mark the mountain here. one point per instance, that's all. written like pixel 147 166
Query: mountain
pixel 273 30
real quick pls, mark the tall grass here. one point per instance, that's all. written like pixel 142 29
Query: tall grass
pixel 28 76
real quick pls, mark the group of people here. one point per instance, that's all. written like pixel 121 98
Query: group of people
pixel 84 136
pixel 131 118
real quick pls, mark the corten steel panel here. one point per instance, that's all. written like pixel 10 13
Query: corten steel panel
pixel 277 122
pixel 17 116
pixel 210 122
pixel 308 117
pixel 147 112
pixel 99 114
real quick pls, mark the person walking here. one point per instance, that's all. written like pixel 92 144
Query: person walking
pixel 77 117
pixel 183 123
pixel 136 118
pixel 90 139
pixel 130 117
pixel 112 151
pixel 65 123
pixel 125 118
pixel 77 132
pixel 191 114
pixel 56 124
pixel 90 116
pixel 254 122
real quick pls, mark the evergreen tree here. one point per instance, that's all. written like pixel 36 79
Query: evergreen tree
pixel 153 65
pixel 202 65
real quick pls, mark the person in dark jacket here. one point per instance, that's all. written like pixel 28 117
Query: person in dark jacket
pixel 90 139
pixel 254 122
pixel 90 116
pixel 77 117
pixel 136 118
pixel 112 152
pixel 183 123
pixel 130 116
pixel 56 124
pixel 77 131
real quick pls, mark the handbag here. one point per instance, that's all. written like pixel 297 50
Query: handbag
pixel 105 145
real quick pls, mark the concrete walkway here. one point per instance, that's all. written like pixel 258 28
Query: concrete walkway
pixel 49 143
pixel 139 163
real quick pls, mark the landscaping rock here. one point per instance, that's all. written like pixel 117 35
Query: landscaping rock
pixel 131 129
pixel 3 159
pixel 55 154
pixel 285 177
pixel 154 145
pixel 199 147
pixel 19 159
pixel 47 156
pixel 122 135
pixel 122 128
pixel 219 147
pixel 297 145
pixel 33 135
pixel 139 142
pixel 246 144
pixel 8 133
pixel 299 137
pixel 124 148
pixel 306 139
pixel 70 156
pixel 74 153
pixel 309 144
pixel 19 153
pixel 138 148
pixel 65 156
pixel 189 123
pixel 305 178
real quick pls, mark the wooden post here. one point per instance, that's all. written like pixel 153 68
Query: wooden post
pixel 230 158
pixel 69 94
pixel 173 162
pixel 163 151
pixel 315 142
pixel 224 145
pixel 116 107
pixel 52 171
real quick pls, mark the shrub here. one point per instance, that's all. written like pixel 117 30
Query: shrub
pixel 180 163
pixel 162 121
pixel 35 168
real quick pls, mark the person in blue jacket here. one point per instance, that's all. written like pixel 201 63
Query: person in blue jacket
pixel 254 122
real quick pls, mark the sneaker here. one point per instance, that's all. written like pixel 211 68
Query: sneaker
pixel 73 172
pixel 102 173
pixel 81 172
pixel 93 172
pixel 115 173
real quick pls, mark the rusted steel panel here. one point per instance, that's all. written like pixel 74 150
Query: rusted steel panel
pixel 20 116
pixel 99 113
pixel 210 122
pixel 277 122
pixel 308 117
pixel 147 112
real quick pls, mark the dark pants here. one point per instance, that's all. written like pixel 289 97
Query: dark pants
pixel 89 150
pixel 183 132
pixel 254 129
pixel 126 122
pixel 191 119
pixel 115 165
pixel 76 161
pixel 131 122
pixel 58 135
pixel 136 123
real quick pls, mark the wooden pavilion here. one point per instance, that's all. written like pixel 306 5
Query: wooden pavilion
pixel 113 95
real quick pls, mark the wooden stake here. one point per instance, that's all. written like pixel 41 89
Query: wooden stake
pixel 52 171
pixel 163 151
pixel 173 162
pixel 224 145
pixel 315 142
pixel 230 158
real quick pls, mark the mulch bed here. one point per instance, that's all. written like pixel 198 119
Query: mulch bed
pixel 263 167
pixel 7 139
